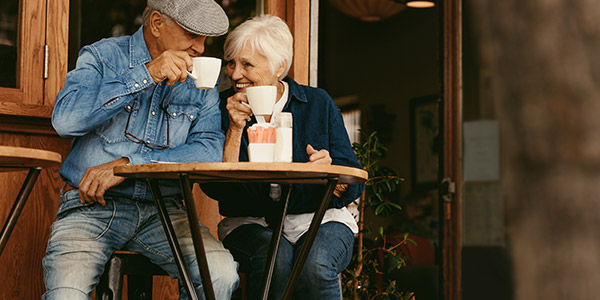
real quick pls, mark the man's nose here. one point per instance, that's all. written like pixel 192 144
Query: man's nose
pixel 198 45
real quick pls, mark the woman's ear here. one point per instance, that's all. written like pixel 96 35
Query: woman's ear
pixel 156 22
pixel 280 71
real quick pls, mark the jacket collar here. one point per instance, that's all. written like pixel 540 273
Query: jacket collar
pixel 295 91
pixel 138 51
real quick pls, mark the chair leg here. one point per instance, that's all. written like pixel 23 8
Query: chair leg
pixel 139 271
pixel 111 282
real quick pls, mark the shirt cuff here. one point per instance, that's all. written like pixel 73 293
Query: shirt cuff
pixel 137 79
pixel 138 159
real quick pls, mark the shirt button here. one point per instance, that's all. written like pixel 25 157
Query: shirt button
pixel 144 81
pixel 136 85
pixel 174 115
pixel 153 113
pixel 191 116
pixel 148 141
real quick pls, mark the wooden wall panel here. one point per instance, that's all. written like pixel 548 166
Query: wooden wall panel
pixel 21 260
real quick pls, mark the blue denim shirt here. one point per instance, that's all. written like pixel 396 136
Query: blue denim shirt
pixel 110 83
pixel 316 121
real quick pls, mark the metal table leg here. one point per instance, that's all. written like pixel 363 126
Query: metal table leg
pixel 15 211
pixel 172 239
pixel 274 246
pixel 190 206
pixel 288 292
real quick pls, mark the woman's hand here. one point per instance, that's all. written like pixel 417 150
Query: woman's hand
pixel 318 157
pixel 322 157
pixel 239 113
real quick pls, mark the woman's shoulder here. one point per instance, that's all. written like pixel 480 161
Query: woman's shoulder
pixel 308 93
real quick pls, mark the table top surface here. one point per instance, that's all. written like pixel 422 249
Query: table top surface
pixel 15 158
pixel 246 171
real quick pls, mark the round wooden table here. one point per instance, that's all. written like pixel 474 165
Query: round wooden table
pixel 282 173
pixel 17 159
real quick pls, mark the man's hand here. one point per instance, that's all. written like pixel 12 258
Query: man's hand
pixel 322 157
pixel 97 180
pixel 170 64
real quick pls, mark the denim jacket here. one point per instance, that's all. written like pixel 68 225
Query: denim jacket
pixel 110 85
pixel 316 121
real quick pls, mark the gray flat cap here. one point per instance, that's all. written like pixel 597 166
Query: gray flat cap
pixel 203 17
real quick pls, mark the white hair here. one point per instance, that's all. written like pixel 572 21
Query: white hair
pixel 146 16
pixel 268 35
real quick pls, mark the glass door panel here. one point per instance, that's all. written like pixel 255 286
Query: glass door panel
pixel 9 30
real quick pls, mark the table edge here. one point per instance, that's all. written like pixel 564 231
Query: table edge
pixel 29 157
pixel 158 168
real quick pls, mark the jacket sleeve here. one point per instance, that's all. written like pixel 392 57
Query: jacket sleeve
pixel 94 93
pixel 342 154
pixel 305 198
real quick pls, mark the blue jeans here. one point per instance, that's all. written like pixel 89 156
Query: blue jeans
pixel 329 256
pixel 84 236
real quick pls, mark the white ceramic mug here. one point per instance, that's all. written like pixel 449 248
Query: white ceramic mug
pixel 205 71
pixel 261 152
pixel 261 99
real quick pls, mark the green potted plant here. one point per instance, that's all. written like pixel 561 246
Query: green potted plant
pixel 363 278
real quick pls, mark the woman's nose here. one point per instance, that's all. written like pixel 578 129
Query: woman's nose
pixel 236 73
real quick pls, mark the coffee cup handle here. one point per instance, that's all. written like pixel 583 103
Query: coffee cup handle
pixel 259 119
pixel 244 103
pixel 191 75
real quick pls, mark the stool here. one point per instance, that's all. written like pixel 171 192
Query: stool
pixel 139 271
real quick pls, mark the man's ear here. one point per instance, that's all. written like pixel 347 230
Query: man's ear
pixel 156 22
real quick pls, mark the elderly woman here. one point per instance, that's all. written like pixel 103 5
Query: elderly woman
pixel 259 52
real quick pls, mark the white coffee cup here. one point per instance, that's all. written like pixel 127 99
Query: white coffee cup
pixel 261 152
pixel 261 99
pixel 205 71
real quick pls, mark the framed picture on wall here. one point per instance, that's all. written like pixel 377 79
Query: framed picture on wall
pixel 425 148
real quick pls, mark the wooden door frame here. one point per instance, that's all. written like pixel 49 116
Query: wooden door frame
pixel 451 28
pixel 296 13
pixel 41 23
pixel 30 59
pixel 57 39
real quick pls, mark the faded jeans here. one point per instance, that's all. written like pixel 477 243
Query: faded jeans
pixel 329 256
pixel 84 236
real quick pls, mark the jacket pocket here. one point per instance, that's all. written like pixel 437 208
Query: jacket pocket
pixel 181 118
pixel 113 130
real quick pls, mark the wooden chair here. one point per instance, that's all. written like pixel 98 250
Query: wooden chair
pixel 139 271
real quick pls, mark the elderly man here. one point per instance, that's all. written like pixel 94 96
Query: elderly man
pixel 129 101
